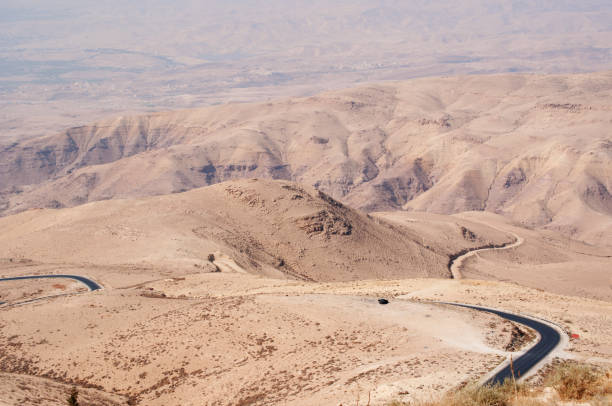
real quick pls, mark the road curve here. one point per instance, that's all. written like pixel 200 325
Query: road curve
pixel 455 264
pixel 550 339
pixel 91 285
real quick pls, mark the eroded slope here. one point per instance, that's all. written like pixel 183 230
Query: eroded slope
pixel 274 228
pixel 535 148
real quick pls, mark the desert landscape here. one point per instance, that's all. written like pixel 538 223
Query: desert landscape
pixel 305 203
pixel 265 292
pixel 535 149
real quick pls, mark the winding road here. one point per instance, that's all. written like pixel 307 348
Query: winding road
pixel 91 285
pixel 456 263
pixel 550 339
pixel 550 335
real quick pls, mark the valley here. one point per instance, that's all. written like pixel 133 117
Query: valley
pixel 242 249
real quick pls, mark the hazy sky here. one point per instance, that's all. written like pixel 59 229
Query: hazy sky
pixel 235 28
pixel 154 54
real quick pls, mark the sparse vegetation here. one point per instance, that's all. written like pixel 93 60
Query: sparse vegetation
pixel 570 380
pixel 574 381
pixel 211 257
pixel 476 395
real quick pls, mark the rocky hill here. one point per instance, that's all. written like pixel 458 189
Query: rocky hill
pixel 272 228
pixel 534 148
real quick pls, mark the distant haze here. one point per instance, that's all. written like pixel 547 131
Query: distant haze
pixel 67 62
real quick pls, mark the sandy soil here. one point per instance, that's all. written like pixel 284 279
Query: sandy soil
pixel 233 338
pixel 589 318
pixel 219 339
pixel 19 389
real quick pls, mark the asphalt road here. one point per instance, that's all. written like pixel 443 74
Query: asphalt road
pixel 549 339
pixel 91 285
pixel 455 264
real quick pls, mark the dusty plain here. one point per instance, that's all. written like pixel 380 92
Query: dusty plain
pixel 228 338
pixel 259 324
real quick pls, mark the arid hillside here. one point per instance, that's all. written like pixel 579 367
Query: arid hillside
pixel 536 149
pixel 271 228
pixel 264 292
pixel 282 230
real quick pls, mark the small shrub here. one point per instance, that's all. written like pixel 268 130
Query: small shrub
pixel 211 257
pixel 472 395
pixel 488 395
pixel 579 382
pixel 572 381
pixel 476 395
